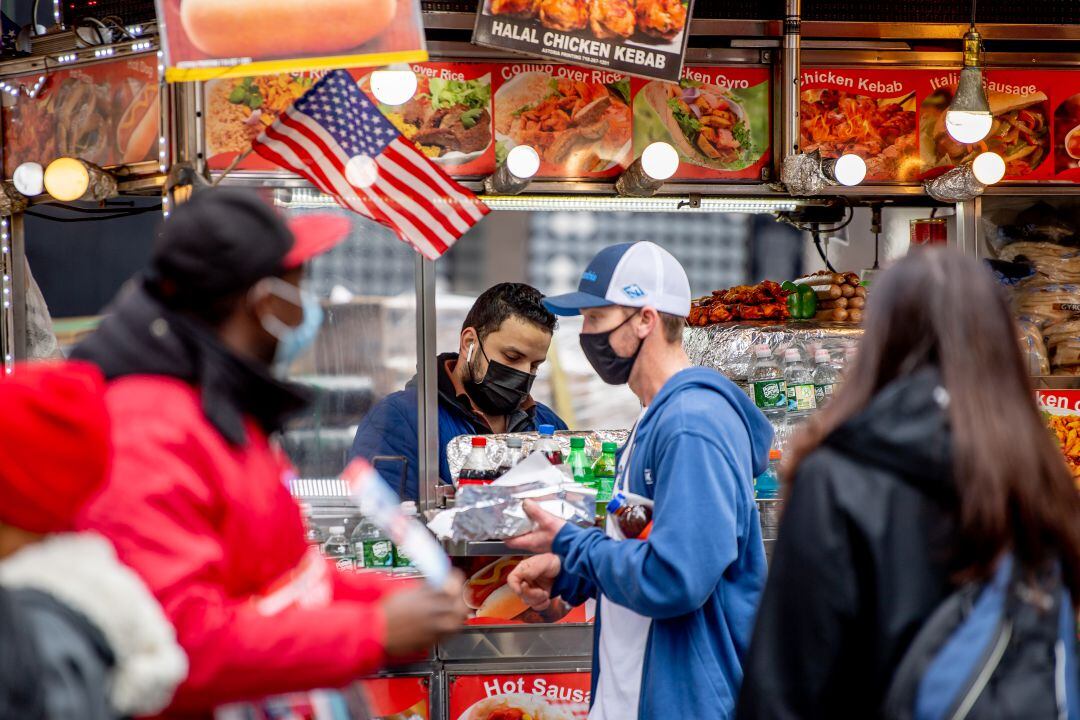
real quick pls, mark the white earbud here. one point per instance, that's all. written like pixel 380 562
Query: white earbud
pixel 468 358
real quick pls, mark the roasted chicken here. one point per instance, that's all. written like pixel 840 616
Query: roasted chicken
pixel 517 8
pixel 764 301
pixel 660 18
pixel 611 18
pixel 565 15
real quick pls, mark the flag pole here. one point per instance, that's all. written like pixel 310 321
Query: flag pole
pixel 232 166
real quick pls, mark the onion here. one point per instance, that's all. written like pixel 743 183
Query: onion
pixel 690 93
pixel 696 110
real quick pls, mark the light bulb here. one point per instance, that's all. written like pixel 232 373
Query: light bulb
pixel 850 170
pixel 66 179
pixel 966 126
pixel 361 171
pixel 989 168
pixel 393 86
pixel 659 161
pixel 523 161
pixel 29 179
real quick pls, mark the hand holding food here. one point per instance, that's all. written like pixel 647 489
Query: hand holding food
pixel 541 538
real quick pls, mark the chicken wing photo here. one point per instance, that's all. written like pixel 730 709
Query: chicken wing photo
pixel 611 18
pixel 660 18
pixel 565 15
pixel 516 8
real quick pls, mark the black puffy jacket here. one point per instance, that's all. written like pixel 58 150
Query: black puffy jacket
pixel 860 563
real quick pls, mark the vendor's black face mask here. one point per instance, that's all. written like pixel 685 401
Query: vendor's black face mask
pixel 612 368
pixel 502 390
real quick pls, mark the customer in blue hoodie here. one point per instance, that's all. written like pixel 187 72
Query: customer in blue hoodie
pixel 675 611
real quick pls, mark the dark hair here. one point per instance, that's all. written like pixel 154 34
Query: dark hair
pixel 507 300
pixel 673 327
pixel 938 308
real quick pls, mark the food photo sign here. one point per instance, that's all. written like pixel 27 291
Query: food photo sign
pixel 577 119
pixel 1061 411
pixel 491 601
pixel 646 38
pixel 106 113
pixel 1020 134
pixel 515 696
pixel 870 113
pixel 207 39
pixel 716 118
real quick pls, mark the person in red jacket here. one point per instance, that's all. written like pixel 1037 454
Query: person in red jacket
pixel 197 500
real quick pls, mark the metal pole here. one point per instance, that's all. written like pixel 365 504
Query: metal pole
pixel 790 70
pixel 967 227
pixel 427 396
pixel 19 283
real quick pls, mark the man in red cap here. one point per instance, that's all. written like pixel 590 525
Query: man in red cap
pixel 198 498
pixel 80 634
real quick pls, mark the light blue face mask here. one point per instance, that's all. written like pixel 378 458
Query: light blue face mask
pixel 292 341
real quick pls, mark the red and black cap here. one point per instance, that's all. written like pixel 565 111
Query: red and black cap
pixel 224 240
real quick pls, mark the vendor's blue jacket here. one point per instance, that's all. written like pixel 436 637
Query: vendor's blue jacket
pixel 389 429
pixel 702 570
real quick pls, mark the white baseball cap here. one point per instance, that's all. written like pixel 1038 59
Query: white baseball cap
pixel 635 275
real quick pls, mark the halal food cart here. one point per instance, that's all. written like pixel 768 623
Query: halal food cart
pixel 735 94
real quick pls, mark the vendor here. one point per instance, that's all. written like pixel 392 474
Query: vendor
pixel 504 340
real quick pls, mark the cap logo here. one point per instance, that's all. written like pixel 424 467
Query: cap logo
pixel 634 292
pixel 589 275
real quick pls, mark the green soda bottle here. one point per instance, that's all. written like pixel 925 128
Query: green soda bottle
pixel 579 462
pixel 604 477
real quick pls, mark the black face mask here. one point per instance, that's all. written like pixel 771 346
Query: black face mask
pixel 612 368
pixel 502 390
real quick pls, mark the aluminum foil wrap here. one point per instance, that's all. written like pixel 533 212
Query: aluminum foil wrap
pixel 727 348
pixel 801 174
pixel 496 511
pixel 957 185
pixel 458 448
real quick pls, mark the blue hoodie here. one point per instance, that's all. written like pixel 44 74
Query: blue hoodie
pixel 701 572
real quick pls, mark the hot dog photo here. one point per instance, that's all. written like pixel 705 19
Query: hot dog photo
pixel 209 39
pixel 108 114
pixel 493 602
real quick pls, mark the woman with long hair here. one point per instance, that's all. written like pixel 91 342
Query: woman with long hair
pixel 927 466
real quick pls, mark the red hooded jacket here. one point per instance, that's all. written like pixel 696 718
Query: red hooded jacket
pixel 212 529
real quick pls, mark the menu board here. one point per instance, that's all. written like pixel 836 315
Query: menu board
pixel 391 698
pixel 584 123
pixel 1021 133
pixel 206 39
pixel 540 696
pixel 108 113
pixel 716 118
pixel 492 602
pixel 578 119
pixel 1066 122
pixel 646 38
pixel 868 112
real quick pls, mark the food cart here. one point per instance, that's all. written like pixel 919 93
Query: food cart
pixel 891 74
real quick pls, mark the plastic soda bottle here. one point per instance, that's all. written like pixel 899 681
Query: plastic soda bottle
pixel 478 468
pixel 513 455
pixel 579 463
pixel 548 445
pixel 767 485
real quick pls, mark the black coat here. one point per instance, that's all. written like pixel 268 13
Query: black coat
pixel 860 562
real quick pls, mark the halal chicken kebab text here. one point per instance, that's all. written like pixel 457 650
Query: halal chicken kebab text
pixel 663 19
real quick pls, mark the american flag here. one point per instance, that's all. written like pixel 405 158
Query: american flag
pixel 336 138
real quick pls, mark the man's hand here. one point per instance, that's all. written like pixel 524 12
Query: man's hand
pixel 533 578
pixel 418 618
pixel 540 539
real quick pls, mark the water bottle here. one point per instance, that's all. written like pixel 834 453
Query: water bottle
pixel 372 546
pixel 403 565
pixel 799 381
pixel 767 384
pixel 767 485
pixel 313 534
pixel 337 549
pixel 825 376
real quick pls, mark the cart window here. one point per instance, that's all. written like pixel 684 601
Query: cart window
pixel 366 349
